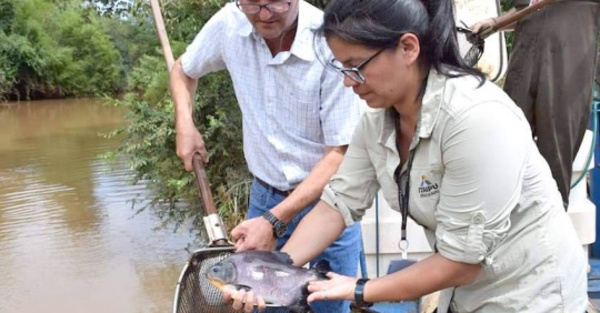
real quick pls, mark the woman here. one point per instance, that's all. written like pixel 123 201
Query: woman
pixel 452 151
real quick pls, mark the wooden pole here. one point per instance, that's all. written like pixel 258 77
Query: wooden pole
pixel 162 34
pixel 509 19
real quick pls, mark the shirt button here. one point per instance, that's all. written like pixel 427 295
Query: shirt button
pixel 478 219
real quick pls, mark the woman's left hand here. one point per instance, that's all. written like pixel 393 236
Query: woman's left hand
pixel 338 287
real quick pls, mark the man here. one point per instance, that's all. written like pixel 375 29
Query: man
pixel 550 77
pixel 297 117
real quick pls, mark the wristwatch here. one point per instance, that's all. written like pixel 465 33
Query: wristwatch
pixel 279 227
pixel 359 292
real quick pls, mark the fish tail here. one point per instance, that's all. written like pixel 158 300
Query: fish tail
pixel 302 305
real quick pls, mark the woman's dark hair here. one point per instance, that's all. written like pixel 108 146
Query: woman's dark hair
pixel 379 24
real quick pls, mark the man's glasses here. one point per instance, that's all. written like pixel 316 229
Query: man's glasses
pixel 354 72
pixel 273 7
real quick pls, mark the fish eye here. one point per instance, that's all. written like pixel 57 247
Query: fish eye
pixel 216 269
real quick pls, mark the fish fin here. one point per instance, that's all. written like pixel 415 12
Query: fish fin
pixel 357 309
pixel 298 308
pixel 242 287
pixel 322 267
pixel 302 305
pixel 283 257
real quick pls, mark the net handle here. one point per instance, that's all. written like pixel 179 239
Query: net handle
pixel 203 185
pixel 504 21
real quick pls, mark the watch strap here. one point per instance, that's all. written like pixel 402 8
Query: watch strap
pixel 359 292
pixel 275 222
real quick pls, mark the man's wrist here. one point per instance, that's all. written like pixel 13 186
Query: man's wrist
pixel 279 227
pixel 282 214
pixel 184 122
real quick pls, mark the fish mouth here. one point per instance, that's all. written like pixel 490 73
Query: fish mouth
pixel 218 284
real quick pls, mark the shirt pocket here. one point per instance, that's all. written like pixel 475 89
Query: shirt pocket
pixel 300 115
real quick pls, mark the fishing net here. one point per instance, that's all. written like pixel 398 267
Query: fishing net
pixel 471 45
pixel 194 293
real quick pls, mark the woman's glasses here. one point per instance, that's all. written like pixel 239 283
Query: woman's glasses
pixel 354 72
pixel 273 7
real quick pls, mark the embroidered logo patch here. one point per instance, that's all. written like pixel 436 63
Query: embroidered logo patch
pixel 427 188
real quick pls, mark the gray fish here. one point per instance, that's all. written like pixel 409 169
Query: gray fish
pixel 269 274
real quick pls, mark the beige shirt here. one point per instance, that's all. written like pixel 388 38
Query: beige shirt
pixel 481 190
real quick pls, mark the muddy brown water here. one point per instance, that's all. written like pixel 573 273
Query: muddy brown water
pixel 69 240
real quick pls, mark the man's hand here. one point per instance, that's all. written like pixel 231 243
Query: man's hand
pixel 484 24
pixel 189 142
pixel 254 234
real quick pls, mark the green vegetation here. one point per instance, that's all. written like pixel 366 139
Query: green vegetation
pixel 50 49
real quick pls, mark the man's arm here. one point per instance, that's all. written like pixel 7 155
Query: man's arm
pixel 188 140
pixel 489 22
pixel 311 188
pixel 202 56
pixel 306 193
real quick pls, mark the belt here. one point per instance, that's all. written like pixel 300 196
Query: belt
pixel 271 188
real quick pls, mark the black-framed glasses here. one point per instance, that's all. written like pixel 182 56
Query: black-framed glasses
pixel 354 72
pixel 273 7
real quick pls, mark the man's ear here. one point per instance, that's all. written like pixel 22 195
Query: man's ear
pixel 410 47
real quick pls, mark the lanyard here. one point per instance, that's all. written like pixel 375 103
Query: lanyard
pixel 403 197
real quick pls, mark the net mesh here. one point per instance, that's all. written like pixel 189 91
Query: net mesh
pixel 470 46
pixel 194 293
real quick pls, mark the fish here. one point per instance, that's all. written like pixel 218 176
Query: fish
pixel 269 274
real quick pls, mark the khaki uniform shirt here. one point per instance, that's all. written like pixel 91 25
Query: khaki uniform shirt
pixel 481 190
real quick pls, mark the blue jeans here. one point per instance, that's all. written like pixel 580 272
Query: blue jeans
pixel 342 255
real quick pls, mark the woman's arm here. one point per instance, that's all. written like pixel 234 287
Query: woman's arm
pixel 317 231
pixel 431 274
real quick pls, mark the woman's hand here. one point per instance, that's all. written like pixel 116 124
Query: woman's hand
pixel 243 299
pixel 338 287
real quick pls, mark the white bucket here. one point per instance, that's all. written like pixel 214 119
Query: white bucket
pixel 581 210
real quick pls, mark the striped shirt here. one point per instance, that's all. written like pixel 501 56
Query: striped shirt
pixel 293 107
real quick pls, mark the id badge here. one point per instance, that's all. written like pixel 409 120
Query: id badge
pixel 398 265
pixel 404 262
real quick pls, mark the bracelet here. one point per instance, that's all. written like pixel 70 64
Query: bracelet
pixel 495 20
pixel 359 292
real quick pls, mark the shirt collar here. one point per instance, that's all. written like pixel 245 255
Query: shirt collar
pixel 432 103
pixel 430 109
pixel 302 47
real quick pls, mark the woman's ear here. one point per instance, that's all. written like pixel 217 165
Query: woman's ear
pixel 410 47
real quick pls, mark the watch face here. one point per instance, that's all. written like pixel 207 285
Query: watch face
pixel 280 230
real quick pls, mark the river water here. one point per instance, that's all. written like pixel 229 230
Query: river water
pixel 69 238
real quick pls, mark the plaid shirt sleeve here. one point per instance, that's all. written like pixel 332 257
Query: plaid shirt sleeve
pixel 204 54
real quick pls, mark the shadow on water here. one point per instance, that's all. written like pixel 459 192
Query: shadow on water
pixel 68 238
